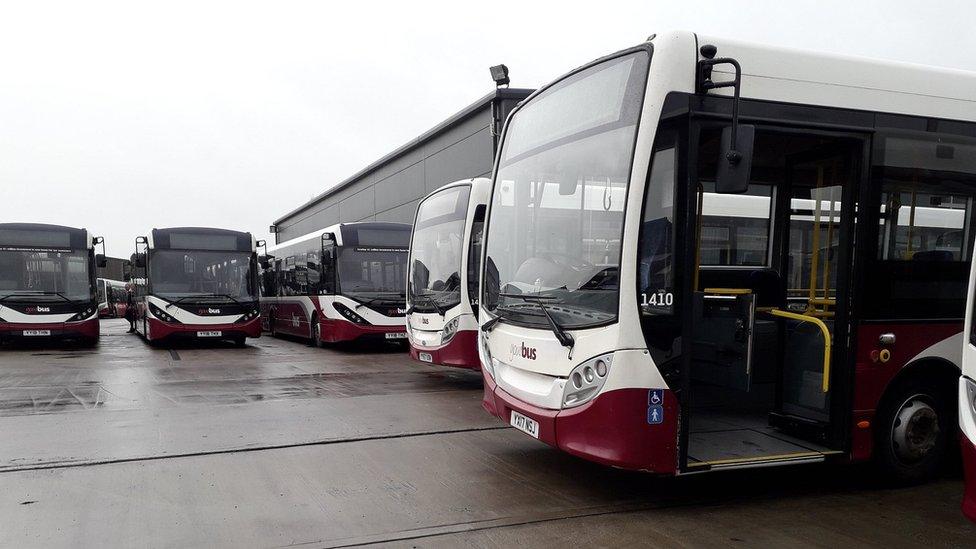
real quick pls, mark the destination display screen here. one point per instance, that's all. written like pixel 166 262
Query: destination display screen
pixel 191 241
pixel 26 238
pixel 381 238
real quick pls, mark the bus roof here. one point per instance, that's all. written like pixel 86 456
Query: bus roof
pixel 14 234
pixel 826 79
pixel 337 230
pixel 207 238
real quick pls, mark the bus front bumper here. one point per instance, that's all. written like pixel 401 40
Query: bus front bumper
pixel 460 352
pixel 334 331
pixel 969 469
pixel 967 444
pixel 162 330
pixel 612 429
pixel 87 329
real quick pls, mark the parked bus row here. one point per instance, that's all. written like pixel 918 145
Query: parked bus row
pixel 691 255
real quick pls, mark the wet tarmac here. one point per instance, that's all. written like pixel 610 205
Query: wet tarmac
pixel 281 444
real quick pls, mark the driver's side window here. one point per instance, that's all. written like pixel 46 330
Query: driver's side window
pixel 655 269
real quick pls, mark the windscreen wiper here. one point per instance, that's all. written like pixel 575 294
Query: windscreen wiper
pixel 434 304
pixel 170 304
pixel 36 292
pixel 564 337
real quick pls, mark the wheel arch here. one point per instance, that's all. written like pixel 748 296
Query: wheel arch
pixel 926 367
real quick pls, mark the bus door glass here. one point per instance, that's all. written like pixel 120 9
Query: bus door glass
pixel 817 182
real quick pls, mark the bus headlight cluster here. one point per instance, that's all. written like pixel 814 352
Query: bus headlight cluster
pixel 450 329
pixel 83 315
pixel 250 315
pixel 162 315
pixel 971 393
pixel 349 314
pixel 484 355
pixel 586 380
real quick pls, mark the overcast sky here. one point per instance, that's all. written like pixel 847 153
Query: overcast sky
pixel 127 116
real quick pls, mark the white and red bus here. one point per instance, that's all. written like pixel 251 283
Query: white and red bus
pixel 196 283
pixel 47 282
pixel 112 298
pixel 342 283
pixel 442 286
pixel 703 254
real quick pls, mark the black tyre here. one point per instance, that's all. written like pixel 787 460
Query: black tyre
pixel 271 323
pixel 916 425
pixel 240 341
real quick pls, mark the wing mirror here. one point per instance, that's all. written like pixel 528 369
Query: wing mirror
pixel 735 159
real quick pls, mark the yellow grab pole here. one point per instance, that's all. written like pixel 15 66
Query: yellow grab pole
pixel 825 384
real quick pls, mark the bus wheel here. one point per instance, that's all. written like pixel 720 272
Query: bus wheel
pixel 316 332
pixel 240 341
pixel 915 427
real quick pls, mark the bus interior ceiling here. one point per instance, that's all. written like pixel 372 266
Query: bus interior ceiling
pixel 763 306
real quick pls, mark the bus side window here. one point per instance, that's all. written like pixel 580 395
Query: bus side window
pixel 327 285
pixel 279 278
pixel 474 254
pixel 926 185
pixel 655 274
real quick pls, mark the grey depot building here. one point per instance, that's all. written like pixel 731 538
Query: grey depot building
pixel 389 189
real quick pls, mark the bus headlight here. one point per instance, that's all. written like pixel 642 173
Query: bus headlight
pixel 450 329
pixel 162 315
pixel 484 355
pixel 586 380
pixel 349 314
pixel 249 316
pixel 971 393
pixel 82 315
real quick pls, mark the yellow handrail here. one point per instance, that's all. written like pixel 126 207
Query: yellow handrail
pixel 826 334
pixel 728 291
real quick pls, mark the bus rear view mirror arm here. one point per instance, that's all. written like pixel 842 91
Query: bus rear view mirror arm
pixel 735 161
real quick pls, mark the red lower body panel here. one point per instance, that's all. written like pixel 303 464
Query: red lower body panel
pixel 612 429
pixel 969 468
pixel 334 331
pixel 157 329
pixel 460 352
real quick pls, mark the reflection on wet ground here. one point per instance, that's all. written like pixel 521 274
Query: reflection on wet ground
pixel 39 381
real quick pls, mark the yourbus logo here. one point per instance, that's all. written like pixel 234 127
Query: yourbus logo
pixel 38 309
pixel 208 311
pixel 523 351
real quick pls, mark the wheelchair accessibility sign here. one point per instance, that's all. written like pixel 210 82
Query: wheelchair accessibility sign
pixel 655 406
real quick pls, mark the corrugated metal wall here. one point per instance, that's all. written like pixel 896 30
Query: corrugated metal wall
pixel 391 191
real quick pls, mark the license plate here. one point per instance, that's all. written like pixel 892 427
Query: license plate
pixel 397 335
pixel 425 357
pixel 217 333
pixel 37 332
pixel 525 424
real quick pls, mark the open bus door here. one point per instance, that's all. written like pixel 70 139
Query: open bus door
pixel 769 309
